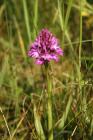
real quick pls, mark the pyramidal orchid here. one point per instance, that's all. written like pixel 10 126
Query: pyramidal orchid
pixel 45 48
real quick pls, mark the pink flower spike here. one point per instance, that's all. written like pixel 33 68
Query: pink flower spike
pixel 45 48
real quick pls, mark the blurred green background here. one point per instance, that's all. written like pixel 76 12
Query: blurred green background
pixel 71 21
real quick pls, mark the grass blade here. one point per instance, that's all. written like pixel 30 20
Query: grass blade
pixel 35 20
pixel 26 16
pixel 4 70
pixel 38 125
pixel 21 42
pixel 60 124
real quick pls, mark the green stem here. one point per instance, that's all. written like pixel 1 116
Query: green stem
pixel 49 104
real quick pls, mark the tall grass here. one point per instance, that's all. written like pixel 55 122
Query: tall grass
pixel 26 17
pixel 23 98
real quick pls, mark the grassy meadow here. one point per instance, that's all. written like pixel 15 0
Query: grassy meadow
pixel 23 95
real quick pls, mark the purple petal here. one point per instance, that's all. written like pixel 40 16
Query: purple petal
pixel 33 54
pixel 46 57
pixel 59 51
pixel 54 57
pixel 39 61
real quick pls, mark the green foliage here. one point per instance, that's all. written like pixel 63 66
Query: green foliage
pixel 21 81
